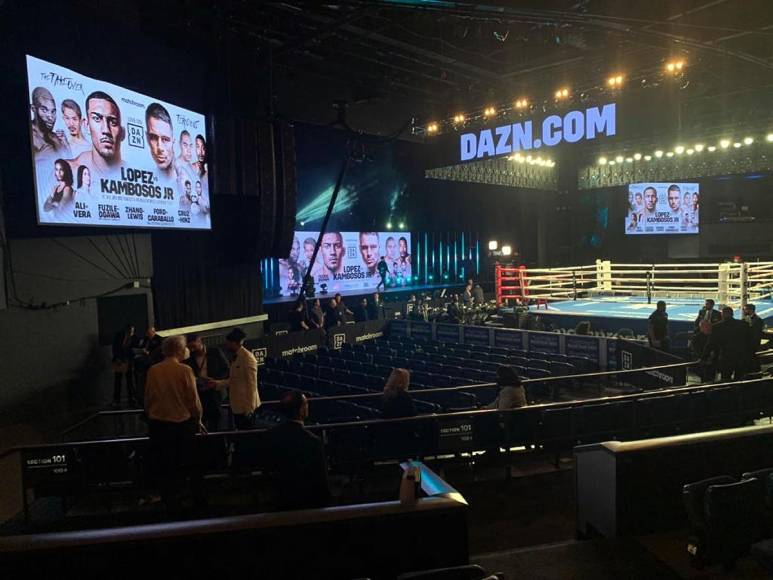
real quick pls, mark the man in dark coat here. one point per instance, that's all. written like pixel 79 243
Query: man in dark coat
pixel 207 363
pixel 729 344
pixel 295 458
pixel 757 327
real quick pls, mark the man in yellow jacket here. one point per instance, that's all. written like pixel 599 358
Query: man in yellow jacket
pixel 242 381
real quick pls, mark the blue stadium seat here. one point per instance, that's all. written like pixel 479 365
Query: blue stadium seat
pixel 354 366
pixel 533 373
pixel 537 363
pixel 562 368
pixel 383 359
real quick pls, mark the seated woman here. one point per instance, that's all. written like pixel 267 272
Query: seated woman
pixel 397 402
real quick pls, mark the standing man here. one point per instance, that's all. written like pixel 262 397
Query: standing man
pixel 658 328
pixel 173 410
pixel 297 317
pixel 242 381
pixel 207 363
pixel 103 118
pixel 707 314
pixel 343 311
pixel 383 271
pixel 369 250
pixel 124 342
pixel 158 128
pixel 316 315
pixel 729 343
pixel 73 120
pixel 46 142
pixel 375 306
pixel 757 327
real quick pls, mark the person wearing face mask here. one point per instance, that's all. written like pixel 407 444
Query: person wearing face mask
pixel 173 410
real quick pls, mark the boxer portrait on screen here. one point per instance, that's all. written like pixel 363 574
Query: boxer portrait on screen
pixel 73 120
pixel 103 118
pixel 369 250
pixel 332 250
pixel 46 141
pixel 160 135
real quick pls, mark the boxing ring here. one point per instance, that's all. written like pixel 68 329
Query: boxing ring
pixel 619 295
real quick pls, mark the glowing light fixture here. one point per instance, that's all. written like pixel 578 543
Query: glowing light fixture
pixel 493 245
pixel 658 154
pixel 637 156
pixel 748 140
pixel 507 250
pixel 619 158
pixel 679 149
pixel 699 147
pixel 724 143
pixel 769 138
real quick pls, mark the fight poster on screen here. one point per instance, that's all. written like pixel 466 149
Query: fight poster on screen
pixel 347 261
pixel 663 208
pixel 107 156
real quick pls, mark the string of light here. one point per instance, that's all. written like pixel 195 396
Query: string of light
pixel 522 104
pixel 684 149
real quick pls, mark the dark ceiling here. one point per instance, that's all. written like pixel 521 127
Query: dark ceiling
pixel 430 60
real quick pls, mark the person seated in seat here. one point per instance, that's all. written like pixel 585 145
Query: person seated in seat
pixel 512 394
pixel 295 458
pixel 397 402
pixel 583 328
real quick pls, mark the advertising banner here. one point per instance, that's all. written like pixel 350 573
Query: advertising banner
pixel 447 332
pixel 348 261
pixel 587 346
pixel 107 156
pixel 476 335
pixel 663 208
pixel 543 342
pixel 508 338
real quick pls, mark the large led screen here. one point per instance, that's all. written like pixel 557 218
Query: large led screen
pixel 662 208
pixel 107 156
pixel 347 260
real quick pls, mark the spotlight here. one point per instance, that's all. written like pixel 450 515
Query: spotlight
pixel 629 159
pixel 769 138
pixel 562 94
pixel 679 150
pixel 389 225
pixel 459 119
pixel 489 112
pixel 612 162
pixel 670 154
pixel 737 145
pixel 615 81
pixel 699 147
pixel 401 225
pixel 690 151
pixel 432 128
pixel 637 156
pixel 507 250
pixel 711 148
pixel 493 245
pixel 648 158
pixel 748 140
pixel 602 160
pixel 521 104
pixel 619 158
pixel 658 154
pixel 724 143
pixel 675 66
pixel 303 224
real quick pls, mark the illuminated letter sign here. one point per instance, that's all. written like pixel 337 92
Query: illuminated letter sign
pixel 573 127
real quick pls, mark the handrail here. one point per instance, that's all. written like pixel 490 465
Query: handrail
pixel 441 496
pixel 471 386
pixel 434 416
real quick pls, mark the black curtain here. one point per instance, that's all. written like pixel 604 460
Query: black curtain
pixel 198 279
